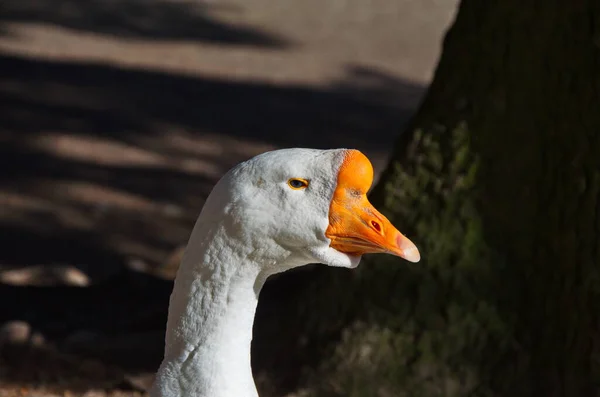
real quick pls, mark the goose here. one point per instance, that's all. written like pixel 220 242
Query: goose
pixel 274 212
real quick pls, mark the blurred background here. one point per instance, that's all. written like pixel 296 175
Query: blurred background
pixel 116 119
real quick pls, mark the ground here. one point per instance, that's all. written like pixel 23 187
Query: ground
pixel 117 119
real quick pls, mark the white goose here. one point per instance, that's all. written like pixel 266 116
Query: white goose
pixel 274 212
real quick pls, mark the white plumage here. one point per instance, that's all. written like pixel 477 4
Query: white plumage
pixel 274 212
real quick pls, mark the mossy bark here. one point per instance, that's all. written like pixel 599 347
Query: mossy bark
pixel 497 181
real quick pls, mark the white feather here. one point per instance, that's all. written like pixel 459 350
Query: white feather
pixel 252 226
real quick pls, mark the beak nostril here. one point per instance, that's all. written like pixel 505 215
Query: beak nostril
pixel 376 226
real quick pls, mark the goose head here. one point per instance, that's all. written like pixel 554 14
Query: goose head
pixel 276 211
pixel 300 206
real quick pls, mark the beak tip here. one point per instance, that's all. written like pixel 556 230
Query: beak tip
pixel 409 249
pixel 412 256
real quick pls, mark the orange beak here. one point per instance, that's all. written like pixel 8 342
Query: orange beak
pixel 355 226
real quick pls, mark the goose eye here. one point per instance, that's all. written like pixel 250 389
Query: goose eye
pixel 297 183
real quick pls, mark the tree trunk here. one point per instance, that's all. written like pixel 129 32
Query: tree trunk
pixel 497 181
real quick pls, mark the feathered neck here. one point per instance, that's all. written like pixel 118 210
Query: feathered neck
pixel 211 313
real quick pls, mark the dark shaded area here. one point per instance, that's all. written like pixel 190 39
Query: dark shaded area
pixel 139 19
pixel 136 108
pixel 118 323
pixel 129 301
pixel 122 104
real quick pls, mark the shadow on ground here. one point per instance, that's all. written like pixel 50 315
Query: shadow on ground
pixel 141 19
pixel 105 166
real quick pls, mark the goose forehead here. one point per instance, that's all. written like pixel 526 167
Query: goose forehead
pixel 299 162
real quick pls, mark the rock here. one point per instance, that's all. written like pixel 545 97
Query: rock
pixel 37 340
pixel 94 393
pixel 15 333
pixel 45 275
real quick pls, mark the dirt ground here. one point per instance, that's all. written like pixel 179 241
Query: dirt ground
pixel 116 119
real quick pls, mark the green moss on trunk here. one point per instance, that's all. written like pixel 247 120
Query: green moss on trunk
pixel 497 181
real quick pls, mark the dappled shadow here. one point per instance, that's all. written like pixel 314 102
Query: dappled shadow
pixel 140 19
pixel 73 131
pixel 119 103
pixel 105 166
